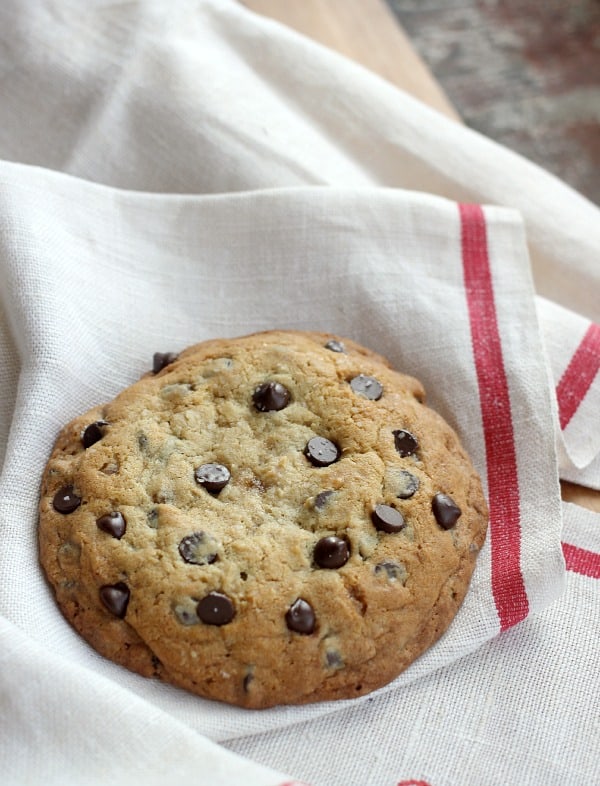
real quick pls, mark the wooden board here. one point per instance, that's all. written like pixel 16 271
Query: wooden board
pixel 367 31
pixel 581 496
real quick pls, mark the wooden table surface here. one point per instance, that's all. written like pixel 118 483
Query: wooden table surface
pixel 382 46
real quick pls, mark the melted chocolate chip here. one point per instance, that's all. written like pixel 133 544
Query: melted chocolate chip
pixel 93 433
pixel 216 609
pixel 393 570
pixel 162 359
pixel 271 397
pixel 300 617
pixel 321 499
pixel 65 500
pixel 405 442
pixel 334 660
pixel 408 485
pixel 112 523
pixel 367 387
pixel 115 597
pixel 199 548
pixel 335 346
pixel 331 552
pixel 186 615
pixel 387 519
pixel 445 510
pixel 321 452
pixel 214 477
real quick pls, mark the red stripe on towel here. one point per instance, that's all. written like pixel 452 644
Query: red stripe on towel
pixel 508 586
pixel 587 563
pixel 579 375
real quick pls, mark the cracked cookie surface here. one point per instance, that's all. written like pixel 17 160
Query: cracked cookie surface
pixel 273 519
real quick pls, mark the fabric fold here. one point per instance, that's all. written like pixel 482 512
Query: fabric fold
pixel 573 345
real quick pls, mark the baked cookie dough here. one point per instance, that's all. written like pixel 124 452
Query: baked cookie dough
pixel 273 519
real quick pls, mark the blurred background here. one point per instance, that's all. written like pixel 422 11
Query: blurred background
pixel 523 72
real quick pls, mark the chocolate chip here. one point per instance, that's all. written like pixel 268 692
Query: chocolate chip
pixel 334 660
pixel 93 433
pixel 321 452
pixel 116 598
pixel 199 548
pixel 271 397
pixel 331 552
pixel 65 500
pixel 300 617
pixel 321 499
pixel 162 359
pixel 335 346
pixel 445 510
pixel 367 387
pixel 216 609
pixel 186 614
pixel 214 477
pixel 405 442
pixel 156 663
pixel 69 553
pixel 387 519
pixel 407 486
pixel 112 523
pixel 393 570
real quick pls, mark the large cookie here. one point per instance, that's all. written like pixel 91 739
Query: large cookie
pixel 267 520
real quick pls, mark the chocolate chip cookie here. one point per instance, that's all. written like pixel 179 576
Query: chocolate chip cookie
pixel 273 519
